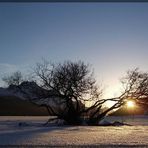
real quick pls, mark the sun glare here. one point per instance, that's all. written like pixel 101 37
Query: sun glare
pixel 130 104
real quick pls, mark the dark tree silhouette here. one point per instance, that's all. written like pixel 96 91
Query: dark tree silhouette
pixel 136 86
pixel 76 97
pixel 14 79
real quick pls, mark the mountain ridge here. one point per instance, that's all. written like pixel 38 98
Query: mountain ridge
pixel 14 101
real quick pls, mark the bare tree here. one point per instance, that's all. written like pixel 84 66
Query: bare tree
pixel 136 86
pixel 14 79
pixel 75 92
pixel 77 95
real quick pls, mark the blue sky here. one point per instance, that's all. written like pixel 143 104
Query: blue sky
pixel 113 37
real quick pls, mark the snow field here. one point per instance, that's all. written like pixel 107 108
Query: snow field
pixel 33 133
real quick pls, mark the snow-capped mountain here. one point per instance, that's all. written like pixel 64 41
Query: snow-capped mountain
pixel 26 90
pixel 31 91
pixel 15 100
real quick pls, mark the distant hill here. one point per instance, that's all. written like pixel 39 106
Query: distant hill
pixel 25 90
pixel 14 100
pixel 14 106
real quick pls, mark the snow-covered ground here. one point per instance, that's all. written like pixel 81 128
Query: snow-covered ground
pixel 33 133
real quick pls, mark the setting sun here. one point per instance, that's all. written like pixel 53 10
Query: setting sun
pixel 130 104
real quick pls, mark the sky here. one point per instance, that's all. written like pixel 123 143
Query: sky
pixel 112 37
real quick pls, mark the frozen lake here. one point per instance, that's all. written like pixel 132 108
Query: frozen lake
pixel 33 133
